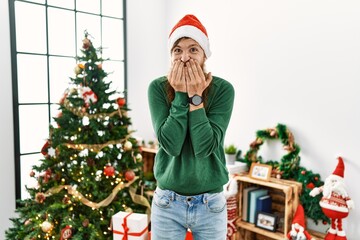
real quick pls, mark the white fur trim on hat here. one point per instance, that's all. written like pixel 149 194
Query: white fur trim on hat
pixel 191 32
pixel 335 177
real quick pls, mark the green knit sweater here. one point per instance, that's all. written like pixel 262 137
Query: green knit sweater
pixel 191 158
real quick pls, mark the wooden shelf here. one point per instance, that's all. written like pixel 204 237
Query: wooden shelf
pixel 288 191
pixel 291 191
pixel 251 227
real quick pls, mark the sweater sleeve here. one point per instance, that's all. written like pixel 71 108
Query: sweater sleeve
pixel 207 129
pixel 170 122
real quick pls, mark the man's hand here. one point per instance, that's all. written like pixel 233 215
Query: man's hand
pixel 196 80
pixel 176 76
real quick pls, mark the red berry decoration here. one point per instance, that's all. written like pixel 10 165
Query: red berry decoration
pixel 109 171
pixel 310 185
pixel 121 101
pixel 303 172
pixel 129 175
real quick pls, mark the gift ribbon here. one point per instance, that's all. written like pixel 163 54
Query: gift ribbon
pixel 126 230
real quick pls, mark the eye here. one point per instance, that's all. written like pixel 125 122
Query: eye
pixel 194 50
pixel 176 50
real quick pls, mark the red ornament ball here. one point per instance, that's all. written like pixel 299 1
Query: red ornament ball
pixel 109 171
pixel 129 175
pixel 66 233
pixel 310 185
pixel 121 101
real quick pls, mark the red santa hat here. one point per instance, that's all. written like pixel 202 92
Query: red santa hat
pixel 299 219
pixel 190 26
pixel 338 173
pixel 299 216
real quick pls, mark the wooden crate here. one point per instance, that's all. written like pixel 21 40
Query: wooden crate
pixel 286 196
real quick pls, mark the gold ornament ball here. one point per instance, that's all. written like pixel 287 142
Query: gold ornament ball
pixel 46 226
pixel 27 222
pixel 77 70
pixel 127 146
pixel 139 157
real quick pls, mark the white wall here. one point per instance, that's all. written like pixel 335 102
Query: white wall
pixel 291 62
pixel 146 58
pixel 7 179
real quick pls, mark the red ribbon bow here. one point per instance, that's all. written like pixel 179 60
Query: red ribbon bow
pixel 126 230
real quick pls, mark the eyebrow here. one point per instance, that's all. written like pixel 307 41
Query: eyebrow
pixel 190 46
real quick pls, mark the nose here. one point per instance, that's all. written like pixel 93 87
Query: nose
pixel 185 57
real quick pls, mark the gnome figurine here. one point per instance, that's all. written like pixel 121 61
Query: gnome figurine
pixel 298 226
pixel 335 202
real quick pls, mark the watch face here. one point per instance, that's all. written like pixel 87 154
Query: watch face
pixel 196 100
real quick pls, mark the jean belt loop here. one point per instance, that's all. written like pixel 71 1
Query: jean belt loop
pixel 173 196
pixel 205 197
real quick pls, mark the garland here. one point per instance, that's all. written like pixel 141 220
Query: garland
pixel 139 199
pixel 81 113
pixel 93 147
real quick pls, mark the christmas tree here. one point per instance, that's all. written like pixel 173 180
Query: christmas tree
pixel 92 166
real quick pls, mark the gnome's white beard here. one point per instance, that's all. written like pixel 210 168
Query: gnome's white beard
pixel 336 186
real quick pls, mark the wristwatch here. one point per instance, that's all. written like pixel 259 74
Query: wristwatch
pixel 195 100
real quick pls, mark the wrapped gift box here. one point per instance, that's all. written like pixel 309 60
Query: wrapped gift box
pixel 132 225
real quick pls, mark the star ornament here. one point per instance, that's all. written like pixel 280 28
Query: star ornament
pixel 51 152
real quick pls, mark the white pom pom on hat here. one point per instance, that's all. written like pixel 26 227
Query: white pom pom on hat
pixel 190 26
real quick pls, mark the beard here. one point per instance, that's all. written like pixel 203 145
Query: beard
pixel 336 186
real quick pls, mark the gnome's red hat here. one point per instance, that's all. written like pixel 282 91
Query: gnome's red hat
pixel 299 216
pixel 190 26
pixel 339 170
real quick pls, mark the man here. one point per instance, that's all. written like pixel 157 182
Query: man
pixel 190 111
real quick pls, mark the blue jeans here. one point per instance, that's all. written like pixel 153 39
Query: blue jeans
pixel 172 214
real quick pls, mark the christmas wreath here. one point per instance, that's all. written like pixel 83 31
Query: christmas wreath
pixel 288 163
